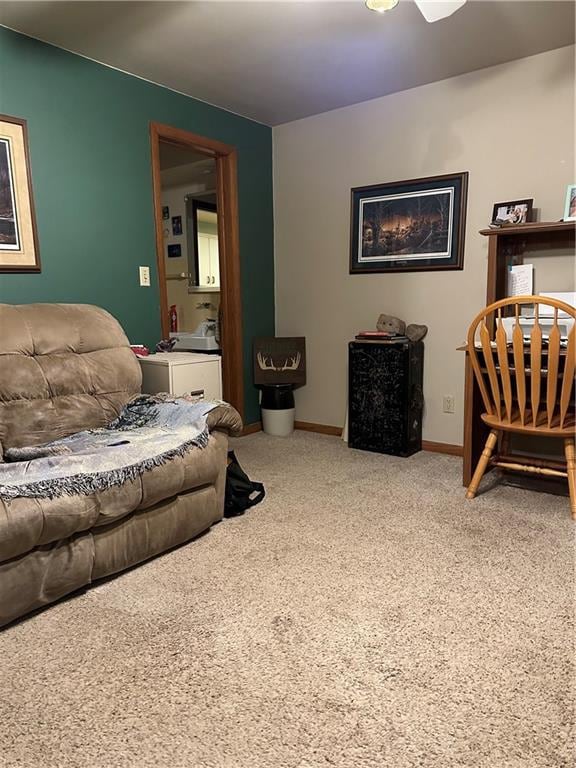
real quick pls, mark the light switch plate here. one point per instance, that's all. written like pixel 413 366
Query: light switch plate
pixel 144 276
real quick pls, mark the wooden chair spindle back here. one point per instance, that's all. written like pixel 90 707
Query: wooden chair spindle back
pixel 500 363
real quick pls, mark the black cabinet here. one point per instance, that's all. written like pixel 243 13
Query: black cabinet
pixel 385 396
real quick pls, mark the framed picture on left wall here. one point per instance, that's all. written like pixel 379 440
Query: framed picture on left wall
pixel 18 236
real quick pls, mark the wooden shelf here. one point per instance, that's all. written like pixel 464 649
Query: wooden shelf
pixel 509 245
pixel 534 228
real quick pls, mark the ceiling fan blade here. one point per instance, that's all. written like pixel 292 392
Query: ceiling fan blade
pixel 434 10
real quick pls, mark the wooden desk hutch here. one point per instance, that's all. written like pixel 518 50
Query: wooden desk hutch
pixel 506 247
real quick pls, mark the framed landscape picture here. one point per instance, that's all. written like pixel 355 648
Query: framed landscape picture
pixel 18 238
pixel 409 226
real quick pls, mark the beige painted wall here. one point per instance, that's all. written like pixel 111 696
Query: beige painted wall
pixel 511 127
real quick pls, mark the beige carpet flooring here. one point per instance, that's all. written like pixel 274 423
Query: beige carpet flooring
pixel 364 616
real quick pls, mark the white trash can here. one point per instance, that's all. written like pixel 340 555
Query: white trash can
pixel 279 423
pixel 278 409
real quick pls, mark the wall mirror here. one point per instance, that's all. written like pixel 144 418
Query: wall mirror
pixel 203 260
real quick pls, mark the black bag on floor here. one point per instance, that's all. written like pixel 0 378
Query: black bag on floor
pixel 239 489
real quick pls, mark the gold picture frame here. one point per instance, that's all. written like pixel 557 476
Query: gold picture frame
pixel 18 235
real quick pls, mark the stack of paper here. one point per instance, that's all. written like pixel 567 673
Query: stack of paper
pixel 520 280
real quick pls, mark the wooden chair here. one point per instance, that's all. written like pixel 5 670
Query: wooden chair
pixel 526 386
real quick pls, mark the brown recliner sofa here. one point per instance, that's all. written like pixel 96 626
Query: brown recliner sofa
pixel 65 368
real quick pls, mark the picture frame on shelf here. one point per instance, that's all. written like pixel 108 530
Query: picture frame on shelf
pixel 19 251
pixel 570 203
pixel 513 212
pixel 416 225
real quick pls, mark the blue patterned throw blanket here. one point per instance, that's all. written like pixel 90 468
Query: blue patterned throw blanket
pixel 150 431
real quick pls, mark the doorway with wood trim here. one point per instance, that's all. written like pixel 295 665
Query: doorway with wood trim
pixel 203 208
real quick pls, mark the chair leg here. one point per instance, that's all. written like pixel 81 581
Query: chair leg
pixel 482 464
pixel 571 470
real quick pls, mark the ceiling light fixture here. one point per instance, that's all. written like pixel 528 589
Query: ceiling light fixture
pixel 381 6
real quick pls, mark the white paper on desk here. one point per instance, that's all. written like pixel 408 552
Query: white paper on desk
pixel 568 297
pixel 520 280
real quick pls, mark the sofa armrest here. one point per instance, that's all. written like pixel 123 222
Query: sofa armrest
pixel 225 418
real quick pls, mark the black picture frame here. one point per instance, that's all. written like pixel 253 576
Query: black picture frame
pixel 174 251
pixel 417 225
pixel 526 205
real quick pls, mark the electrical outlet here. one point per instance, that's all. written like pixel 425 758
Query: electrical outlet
pixel 448 403
pixel 144 276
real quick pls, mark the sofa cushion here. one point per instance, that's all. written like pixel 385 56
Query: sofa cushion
pixel 28 523
pixel 147 533
pixel 44 575
pixel 63 368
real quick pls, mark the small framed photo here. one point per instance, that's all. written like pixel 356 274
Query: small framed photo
pixel 165 212
pixel 409 226
pixel 174 251
pixel 176 225
pixel 513 212
pixel 570 206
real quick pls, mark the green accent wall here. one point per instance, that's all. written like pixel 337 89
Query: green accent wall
pixel 89 140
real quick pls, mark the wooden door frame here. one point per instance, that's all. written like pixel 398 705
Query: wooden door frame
pixel 226 158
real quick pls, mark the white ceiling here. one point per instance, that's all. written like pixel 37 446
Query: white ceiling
pixel 181 166
pixel 279 61
pixel 172 156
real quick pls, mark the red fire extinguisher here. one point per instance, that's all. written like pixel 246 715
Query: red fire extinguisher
pixel 173 319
